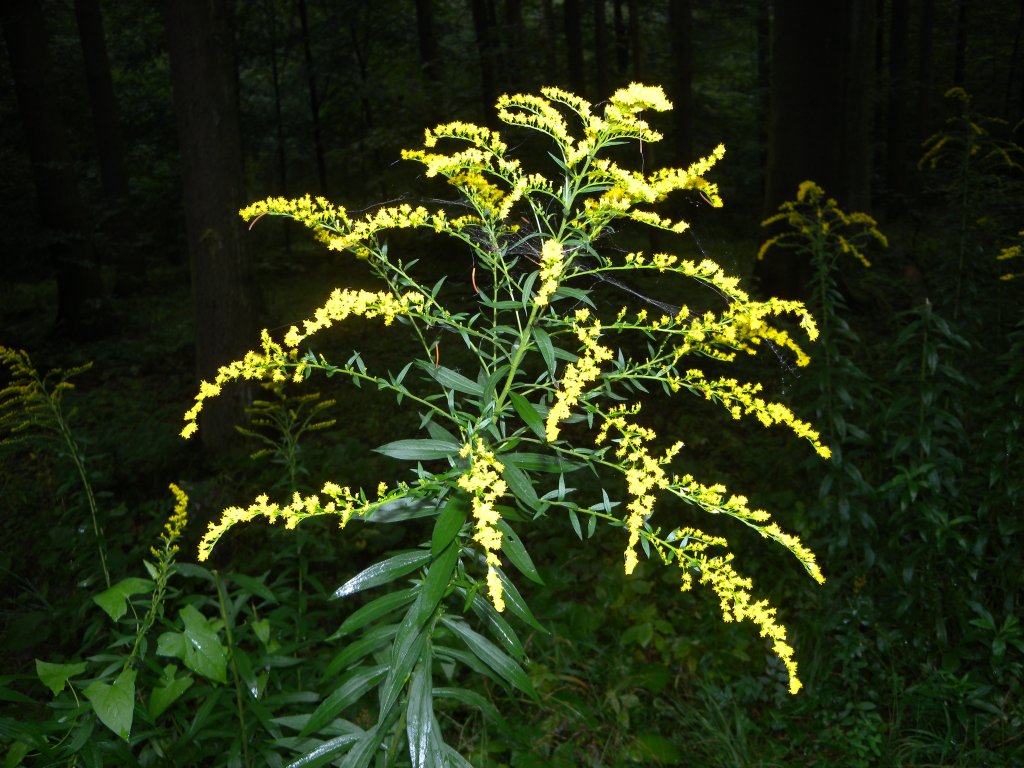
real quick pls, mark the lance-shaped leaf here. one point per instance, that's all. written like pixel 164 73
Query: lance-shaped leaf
pixel 421 726
pixel 492 656
pixel 353 688
pixel 327 751
pixel 449 523
pixel 529 412
pixel 374 610
pixel 419 449
pixel 512 547
pixel 384 572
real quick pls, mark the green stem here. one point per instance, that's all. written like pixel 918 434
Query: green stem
pixel 234 669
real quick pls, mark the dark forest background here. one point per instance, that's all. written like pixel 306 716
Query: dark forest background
pixel 131 132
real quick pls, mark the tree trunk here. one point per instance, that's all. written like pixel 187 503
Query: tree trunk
pixel 763 25
pixel 513 42
pixel 896 129
pixel 604 85
pixel 109 145
pixel 64 224
pixel 487 46
pixel 550 40
pixel 822 55
pixel 224 296
pixel 427 36
pixel 314 100
pixel 621 39
pixel 574 46
pixel 635 41
pixel 680 14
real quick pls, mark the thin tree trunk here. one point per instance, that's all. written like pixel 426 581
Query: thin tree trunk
pixel 574 45
pixel 314 100
pixel 203 73
pixel 550 40
pixel 282 150
pixel 601 53
pixel 486 42
pixel 63 219
pixel 681 31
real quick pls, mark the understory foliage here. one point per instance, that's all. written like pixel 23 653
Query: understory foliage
pixel 545 421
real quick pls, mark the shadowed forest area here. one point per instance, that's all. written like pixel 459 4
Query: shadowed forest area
pixel 537 355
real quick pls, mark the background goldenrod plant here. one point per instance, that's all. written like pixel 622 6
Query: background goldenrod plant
pixel 558 353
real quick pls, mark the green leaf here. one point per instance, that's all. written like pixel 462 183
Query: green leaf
pixel 365 749
pixel 529 413
pixel 473 699
pixel 495 622
pixel 253 586
pixel 539 462
pixel 198 647
pixel 353 652
pixel 324 753
pixel 520 485
pixel 374 610
pixel 420 724
pixel 449 379
pixel 490 655
pixel 512 547
pixel 411 640
pixel 449 523
pixel 353 687
pixel 419 449
pixel 515 603
pixel 54 676
pixel 401 509
pixel 547 350
pixel 114 600
pixel 165 695
pixel 384 572
pixel 115 704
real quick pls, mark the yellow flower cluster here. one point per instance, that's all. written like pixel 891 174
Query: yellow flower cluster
pixel 273 361
pixel 579 374
pixel 814 217
pixel 29 400
pixel 389 217
pixel 174 526
pixel 644 473
pixel 741 399
pixel 737 604
pixel 343 502
pixel 551 266
pixel 315 213
pixel 1012 252
pixel 483 482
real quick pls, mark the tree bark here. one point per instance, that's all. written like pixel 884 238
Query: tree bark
pixel 314 100
pixel 621 38
pixel 109 144
pixel 574 46
pixel 822 56
pixel 224 295
pixel 604 86
pixel 427 36
pixel 635 41
pixel 484 24
pixel 64 224
pixel 681 31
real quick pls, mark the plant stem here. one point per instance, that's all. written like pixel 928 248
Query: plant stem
pixel 234 669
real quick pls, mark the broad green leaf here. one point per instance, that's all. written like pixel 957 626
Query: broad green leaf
pixel 520 485
pixel 198 647
pixel 490 655
pixel 165 695
pixel 449 379
pixel 326 752
pixel 115 704
pixel 372 611
pixel 114 600
pixel 419 449
pixel 384 572
pixel 353 687
pixel 376 638
pixel 449 523
pixel 512 547
pixel 54 676
pixel 529 413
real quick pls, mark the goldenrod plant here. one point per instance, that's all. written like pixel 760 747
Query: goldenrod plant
pixel 547 426
pixel 31 407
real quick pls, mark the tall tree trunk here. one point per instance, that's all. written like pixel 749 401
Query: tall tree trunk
pixel 64 223
pixel 270 7
pixel 512 38
pixel 550 40
pixel 822 55
pixel 896 129
pixel 224 295
pixel 621 38
pixel 314 100
pixel 604 85
pixel 109 144
pixel 680 13
pixel 487 45
pixel 635 41
pixel 574 45
pixel 427 36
